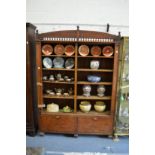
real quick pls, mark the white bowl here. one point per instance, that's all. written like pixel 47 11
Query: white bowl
pixel 85 106
pixel 99 106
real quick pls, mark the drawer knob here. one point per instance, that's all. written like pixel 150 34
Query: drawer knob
pixel 57 117
pixel 95 118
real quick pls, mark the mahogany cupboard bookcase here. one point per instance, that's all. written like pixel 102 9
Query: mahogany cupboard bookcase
pixel 77 122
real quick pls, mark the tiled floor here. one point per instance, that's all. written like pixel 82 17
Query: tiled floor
pixel 59 144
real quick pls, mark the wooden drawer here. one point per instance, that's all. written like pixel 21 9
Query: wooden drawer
pixel 95 124
pixel 57 123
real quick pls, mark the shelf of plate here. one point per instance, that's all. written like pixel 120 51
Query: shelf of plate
pixel 93 97
pixel 58 96
pixel 58 69
pixel 95 57
pixel 56 113
pixel 57 82
pixel 58 56
pixel 94 83
pixel 94 70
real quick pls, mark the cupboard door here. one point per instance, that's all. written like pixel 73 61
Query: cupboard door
pixel 95 124
pixel 57 123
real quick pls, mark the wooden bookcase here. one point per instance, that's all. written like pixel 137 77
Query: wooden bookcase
pixel 78 122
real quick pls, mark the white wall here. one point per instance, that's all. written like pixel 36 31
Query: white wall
pixel 97 13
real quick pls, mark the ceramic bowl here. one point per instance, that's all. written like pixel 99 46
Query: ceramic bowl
pixel 99 106
pixel 85 106
pixel 93 78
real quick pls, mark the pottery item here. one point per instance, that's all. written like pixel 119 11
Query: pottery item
pixel 94 64
pixel 85 106
pixel 70 91
pixel 101 90
pixel 96 51
pixel 51 78
pixel 67 109
pixel 66 94
pixel 58 76
pixel 59 90
pixel 58 62
pixel 107 51
pixel 52 107
pixel 69 64
pixel 59 49
pixel 68 80
pixel 83 50
pixel 47 49
pixel 99 106
pixel 69 50
pixel 86 90
pixel 61 79
pixel 48 91
pixel 45 78
pixel 66 77
pixel 47 62
pixel 93 78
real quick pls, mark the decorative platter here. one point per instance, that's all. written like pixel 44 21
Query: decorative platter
pixel 47 49
pixel 83 50
pixel 58 62
pixel 95 51
pixel 69 50
pixel 47 62
pixel 59 50
pixel 69 64
pixel 107 51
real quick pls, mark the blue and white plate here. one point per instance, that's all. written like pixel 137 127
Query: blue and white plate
pixel 47 62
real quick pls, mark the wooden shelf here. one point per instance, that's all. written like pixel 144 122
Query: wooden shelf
pixel 59 56
pixel 95 70
pixel 44 111
pixel 94 83
pixel 95 57
pixel 58 97
pixel 57 82
pixel 93 97
pixel 93 113
pixel 58 69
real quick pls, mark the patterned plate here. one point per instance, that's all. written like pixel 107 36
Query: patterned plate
pixel 95 51
pixel 107 51
pixel 83 50
pixel 59 50
pixel 69 50
pixel 47 49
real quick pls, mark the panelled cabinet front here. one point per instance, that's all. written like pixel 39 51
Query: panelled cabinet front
pixel 68 62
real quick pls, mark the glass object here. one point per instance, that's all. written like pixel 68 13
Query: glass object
pixel 122 112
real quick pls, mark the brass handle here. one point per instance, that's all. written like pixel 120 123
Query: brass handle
pixel 95 118
pixel 41 105
pixel 38 68
pixel 57 117
pixel 39 84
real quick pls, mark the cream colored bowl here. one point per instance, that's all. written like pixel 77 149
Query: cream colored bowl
pixel 53 107
pixel 99 106
pixel 85 106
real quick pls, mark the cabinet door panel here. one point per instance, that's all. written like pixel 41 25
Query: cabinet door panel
pixel 95 124
pixel 57 123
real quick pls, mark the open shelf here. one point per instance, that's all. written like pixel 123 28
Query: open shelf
pixel 95 57
pixel 57 82
pixel 58 69
pixel 93 97
pixel 93 113
pixel 95 70
pixel 65 56
pixel 58 97
pixel 94 83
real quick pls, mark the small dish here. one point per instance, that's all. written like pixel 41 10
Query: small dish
pixel 68 80
pixel 59 49
pixel 93 78
pixel 69 64
pixel 47 49
pixel 107 51
pixel 58 62
pixel 69 50
pixel 83 50
pixel 47 62
pixel 95 51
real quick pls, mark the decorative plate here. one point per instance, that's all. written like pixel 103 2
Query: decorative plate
pixel 58 62
pixel 47 62
pixel 59 49
pixel 69 50
pixel 69 64
pixel 107 51
pixel 83 50
pixel 47 49
pixel 95 51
